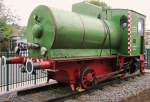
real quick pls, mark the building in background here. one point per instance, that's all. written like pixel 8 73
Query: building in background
pixel 147 39
pixel 147 48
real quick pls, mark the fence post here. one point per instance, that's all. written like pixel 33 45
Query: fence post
pixel 34 78
pixel 7 74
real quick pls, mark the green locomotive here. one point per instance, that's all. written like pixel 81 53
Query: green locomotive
pixel 84 45
pixel 83 33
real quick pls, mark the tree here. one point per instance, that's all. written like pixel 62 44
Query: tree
pixel 99 3
pixel 6 30
pixel 8 21
pixel 7 26
pixel 7 15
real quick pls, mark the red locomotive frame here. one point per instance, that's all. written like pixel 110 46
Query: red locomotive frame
pixel 82 72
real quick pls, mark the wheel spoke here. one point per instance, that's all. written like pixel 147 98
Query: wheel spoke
pixel 87 78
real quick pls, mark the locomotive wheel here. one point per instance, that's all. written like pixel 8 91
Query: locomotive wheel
pixel 134 65
pixel 87 78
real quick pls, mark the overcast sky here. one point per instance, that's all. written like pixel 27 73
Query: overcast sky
pixel 23 8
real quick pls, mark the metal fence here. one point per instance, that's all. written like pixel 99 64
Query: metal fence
pixel 14 76
pixel 147 56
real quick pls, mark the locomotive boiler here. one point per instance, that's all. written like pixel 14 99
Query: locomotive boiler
pixel 84 46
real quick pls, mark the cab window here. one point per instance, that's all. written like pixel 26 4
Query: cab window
pixel 141 27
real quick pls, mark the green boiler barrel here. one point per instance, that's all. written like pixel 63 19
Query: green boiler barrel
pixel 57 29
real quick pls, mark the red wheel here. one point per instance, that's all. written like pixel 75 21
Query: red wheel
pixel 87 78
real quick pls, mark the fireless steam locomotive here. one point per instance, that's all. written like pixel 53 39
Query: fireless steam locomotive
pixel 82 47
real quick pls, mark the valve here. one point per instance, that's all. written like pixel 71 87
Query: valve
pixel 24 46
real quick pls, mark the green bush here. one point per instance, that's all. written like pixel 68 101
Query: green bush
pixel 6 30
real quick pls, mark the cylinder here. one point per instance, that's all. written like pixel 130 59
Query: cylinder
pixel 58 29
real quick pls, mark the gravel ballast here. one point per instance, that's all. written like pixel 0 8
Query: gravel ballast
pixel 132 89
pixel 135 89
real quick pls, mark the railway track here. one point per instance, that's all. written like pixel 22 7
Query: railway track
pixel 58 92
pixel 99 86
pixel 76 94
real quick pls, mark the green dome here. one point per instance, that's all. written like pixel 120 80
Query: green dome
pixel 37 30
